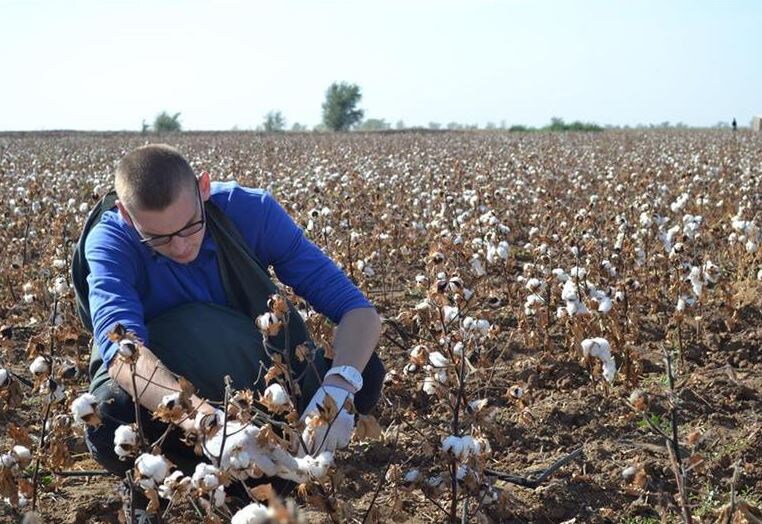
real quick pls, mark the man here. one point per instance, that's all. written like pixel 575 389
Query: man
pixel 160 264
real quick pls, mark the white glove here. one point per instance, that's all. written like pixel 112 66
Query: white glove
pixel 339 430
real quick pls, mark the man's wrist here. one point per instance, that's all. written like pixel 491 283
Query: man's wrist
pixel 350 376
pixel 339 382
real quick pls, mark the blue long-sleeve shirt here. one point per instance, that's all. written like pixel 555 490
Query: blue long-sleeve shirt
pixel 131 284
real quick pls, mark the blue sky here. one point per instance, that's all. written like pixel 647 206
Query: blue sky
pixel 107 65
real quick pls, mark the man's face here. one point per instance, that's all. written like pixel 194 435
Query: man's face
pixel 185 210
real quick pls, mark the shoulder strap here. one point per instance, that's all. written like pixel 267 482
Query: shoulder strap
pixel 246 281
pixel 79 267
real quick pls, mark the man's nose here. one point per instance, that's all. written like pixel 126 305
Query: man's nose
pixel 179 245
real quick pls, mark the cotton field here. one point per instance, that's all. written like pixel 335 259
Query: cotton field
pixel 572 331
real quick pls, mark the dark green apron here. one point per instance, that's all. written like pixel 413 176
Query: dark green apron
pixel 205 342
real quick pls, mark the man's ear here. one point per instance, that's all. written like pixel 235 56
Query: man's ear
pixel 205 185
pixel 123 213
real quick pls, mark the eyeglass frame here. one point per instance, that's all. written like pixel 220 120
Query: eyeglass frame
pixel 182 232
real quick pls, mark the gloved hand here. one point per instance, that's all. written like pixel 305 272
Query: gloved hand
pixel 323 434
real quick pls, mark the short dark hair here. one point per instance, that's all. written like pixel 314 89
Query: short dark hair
pixel 151 177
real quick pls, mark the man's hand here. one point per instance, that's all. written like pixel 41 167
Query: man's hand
pixel 330 426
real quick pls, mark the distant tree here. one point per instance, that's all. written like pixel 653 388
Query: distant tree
pixel 374 124
pixel 298 127
pixel 435 125
pixel 166 123
pixel 518 128
pixel 502 124
pixel 558 124
pixel 145 127
pixel 454 126
pixel 399 125
pixel 490 126
pixel 320 128
pixel 274 122
pixel 340 111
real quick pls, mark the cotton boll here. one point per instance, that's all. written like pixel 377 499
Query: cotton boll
pixel 152 468
pixel 534 284
pixel 125 441
pixel 438 360
pixel 219 496
pixel 40 366
pixel 430 386
pixel 477 267
pixel 452 444
pixel 600 348
pixel 569 291
pixel 83 407
pixel 22 455
pixel 604 304
pixel 694 277
pixel 205 477
pixel 277 396
pixel 450 313
pixel 560 274
pixel 254 513
pixel 413 476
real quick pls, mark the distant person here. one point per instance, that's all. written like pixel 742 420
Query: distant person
pixel 735 125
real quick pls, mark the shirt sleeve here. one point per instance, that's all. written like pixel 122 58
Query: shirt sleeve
pixel 279 242
pixel 112 286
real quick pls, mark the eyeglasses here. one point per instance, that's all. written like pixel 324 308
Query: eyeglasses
pixel 187 231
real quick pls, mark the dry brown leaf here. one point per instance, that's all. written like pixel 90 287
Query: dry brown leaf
pixel 367 428
pixel 263 492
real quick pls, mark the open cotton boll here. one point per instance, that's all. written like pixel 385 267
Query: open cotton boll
pixel 450 313
pixel 175 483
pixel 711 272
pixel 60 287
pixel 695 278
pixel 40 366
pixel 413 476
pixel 205 477
pixel 438 360
pixel 22 455
pixel 600 348
pixel 430 386
pixel 5 378
pixel 477 267
pixel 254 513
pixel 609 368
pixel 452 444
pixel 594 347
pixel 569 291
pixel 219 496
pixel 276 395
pixel 560 274
pixel 125 441
pixel 152 468
pixel 83 407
